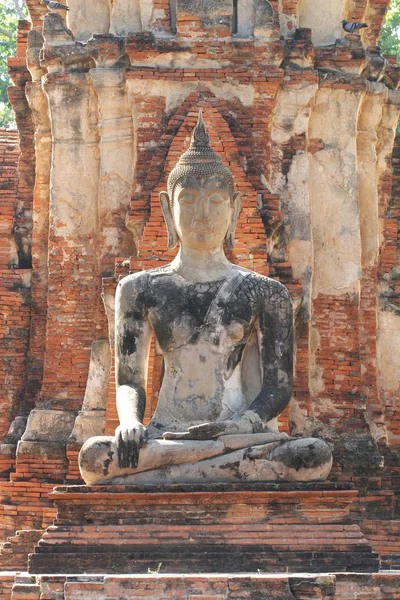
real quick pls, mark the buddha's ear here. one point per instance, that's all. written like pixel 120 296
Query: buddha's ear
pixel 236 206
pixel 169 221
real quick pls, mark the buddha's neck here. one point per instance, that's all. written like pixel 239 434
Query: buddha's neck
pixel 201 266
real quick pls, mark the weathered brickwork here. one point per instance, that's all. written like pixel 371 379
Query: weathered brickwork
pixel 341 586
pixel 272 527
pixel 8 177
pixel 305 118
pixel 14 293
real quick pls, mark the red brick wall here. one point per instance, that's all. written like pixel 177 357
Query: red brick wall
pixel 14 288
pixel 9 154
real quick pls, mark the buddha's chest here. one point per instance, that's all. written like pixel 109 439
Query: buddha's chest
pixel 197 314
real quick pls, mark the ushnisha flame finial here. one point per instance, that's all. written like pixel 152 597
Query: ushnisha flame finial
pixel 199 150
pixel 199 160
pixel 200 135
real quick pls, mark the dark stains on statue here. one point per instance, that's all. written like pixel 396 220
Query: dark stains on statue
pixel 234 467
pixel 178 312
pixel 136 315
pixel 107 462
pixel 170 301
pixel 310 455
pixel 241 309
pixel 128 344
pixel 234 359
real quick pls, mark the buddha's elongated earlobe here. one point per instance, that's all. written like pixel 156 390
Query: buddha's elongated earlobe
pixel 236 206
pixel 169 221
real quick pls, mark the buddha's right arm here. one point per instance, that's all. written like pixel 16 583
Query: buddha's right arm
pixel 132 346
pixel 131 403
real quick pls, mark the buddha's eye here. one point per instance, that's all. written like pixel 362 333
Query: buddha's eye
pixel 187 199
pixel 216 198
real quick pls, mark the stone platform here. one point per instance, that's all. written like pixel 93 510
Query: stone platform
pixel 238 528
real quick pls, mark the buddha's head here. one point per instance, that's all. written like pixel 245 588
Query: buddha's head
pixel 200 208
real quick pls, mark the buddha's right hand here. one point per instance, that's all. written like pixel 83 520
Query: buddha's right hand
pixel 130 437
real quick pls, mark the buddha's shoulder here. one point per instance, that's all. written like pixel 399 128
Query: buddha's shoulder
pixel 143 279
pixel 264 286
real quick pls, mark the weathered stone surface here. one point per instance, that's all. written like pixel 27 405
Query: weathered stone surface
pixel 323 19
pixel 254 17
pixel 212 16
pixel 35 44
pixel 48 425
pixel 91 419
pixel 16 430
pixel 254 457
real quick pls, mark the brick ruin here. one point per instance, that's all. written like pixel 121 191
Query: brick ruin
pixel 305 118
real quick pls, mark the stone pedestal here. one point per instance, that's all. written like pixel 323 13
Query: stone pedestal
pixel 268 528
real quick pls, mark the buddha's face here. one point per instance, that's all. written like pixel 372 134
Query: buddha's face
pixel 202 211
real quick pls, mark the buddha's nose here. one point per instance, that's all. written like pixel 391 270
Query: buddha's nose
pixel 202 213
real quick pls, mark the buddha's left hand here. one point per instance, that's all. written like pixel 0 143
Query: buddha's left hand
pixel 210 431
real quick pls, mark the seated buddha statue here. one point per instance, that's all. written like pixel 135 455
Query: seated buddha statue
pixel 226 336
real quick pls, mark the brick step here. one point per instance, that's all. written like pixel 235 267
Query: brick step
pixel 390 561
pixel 23 506
pixel 281 536
pixel 25 591
pixel 300 527
pixel 25 587
pixel 384 537
pixel 15 551
pixel 204 559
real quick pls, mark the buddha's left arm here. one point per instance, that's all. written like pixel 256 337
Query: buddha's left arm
pixel 276 348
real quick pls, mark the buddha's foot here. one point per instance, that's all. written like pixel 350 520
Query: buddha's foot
pixel 257 457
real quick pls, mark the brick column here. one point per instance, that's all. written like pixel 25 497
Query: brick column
pixel 73 278
pixel 335 371
pixel 368 125
pixel 116 165
pixel 388 336
pixel 35 333
pixel 40 214
pixel 292 241
pixel 116 147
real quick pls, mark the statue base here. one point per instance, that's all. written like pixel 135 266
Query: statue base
pixel 270 528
